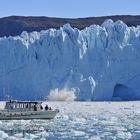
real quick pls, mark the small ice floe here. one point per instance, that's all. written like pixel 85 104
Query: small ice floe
pixel 3 135
pixel 65 117
pixel 75 133
pixel 123 135
pixel 95 138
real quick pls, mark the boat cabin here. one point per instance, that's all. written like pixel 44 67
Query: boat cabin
pixel 13 105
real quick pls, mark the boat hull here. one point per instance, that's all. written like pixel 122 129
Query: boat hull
pixel 50 114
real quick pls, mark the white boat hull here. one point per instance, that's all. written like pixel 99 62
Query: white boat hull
pixel 49 114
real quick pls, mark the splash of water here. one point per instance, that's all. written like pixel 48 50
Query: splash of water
pixel 62 95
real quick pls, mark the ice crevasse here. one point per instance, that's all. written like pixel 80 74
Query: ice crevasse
pixel 98 62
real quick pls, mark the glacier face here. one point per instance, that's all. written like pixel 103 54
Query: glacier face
pixel 98 62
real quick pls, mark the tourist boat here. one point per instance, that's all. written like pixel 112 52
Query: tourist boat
pixel 17 110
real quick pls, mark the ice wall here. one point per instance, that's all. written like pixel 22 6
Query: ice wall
pixel 99 62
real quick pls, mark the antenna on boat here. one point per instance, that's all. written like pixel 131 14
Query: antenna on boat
pixel 7 98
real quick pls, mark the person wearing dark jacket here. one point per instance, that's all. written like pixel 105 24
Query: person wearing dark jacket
pixel 46 107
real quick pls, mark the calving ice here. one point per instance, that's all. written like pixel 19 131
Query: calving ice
pixel 98 62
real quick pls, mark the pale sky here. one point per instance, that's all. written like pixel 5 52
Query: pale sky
pixel 69 8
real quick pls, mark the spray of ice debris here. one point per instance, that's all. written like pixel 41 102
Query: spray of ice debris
pixel 62 95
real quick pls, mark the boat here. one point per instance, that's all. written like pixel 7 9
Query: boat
pixel 26 110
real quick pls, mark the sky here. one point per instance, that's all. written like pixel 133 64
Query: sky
pixel 69 8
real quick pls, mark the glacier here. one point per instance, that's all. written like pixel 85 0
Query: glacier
pixel 97 63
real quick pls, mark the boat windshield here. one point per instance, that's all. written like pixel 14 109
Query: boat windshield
pixel 10 105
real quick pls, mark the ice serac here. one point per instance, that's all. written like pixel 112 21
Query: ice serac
pixel 97 63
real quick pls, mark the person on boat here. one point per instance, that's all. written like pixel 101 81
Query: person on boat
pixel 12 107
pixel 35 107
pixel 46 107
pixel 41 107
pixel 26 105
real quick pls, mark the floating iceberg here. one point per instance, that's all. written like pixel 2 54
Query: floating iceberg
pixel 98 62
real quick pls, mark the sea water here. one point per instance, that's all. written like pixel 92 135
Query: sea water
pixel 80 120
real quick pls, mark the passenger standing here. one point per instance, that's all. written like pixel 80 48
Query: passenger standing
pixel 46 107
